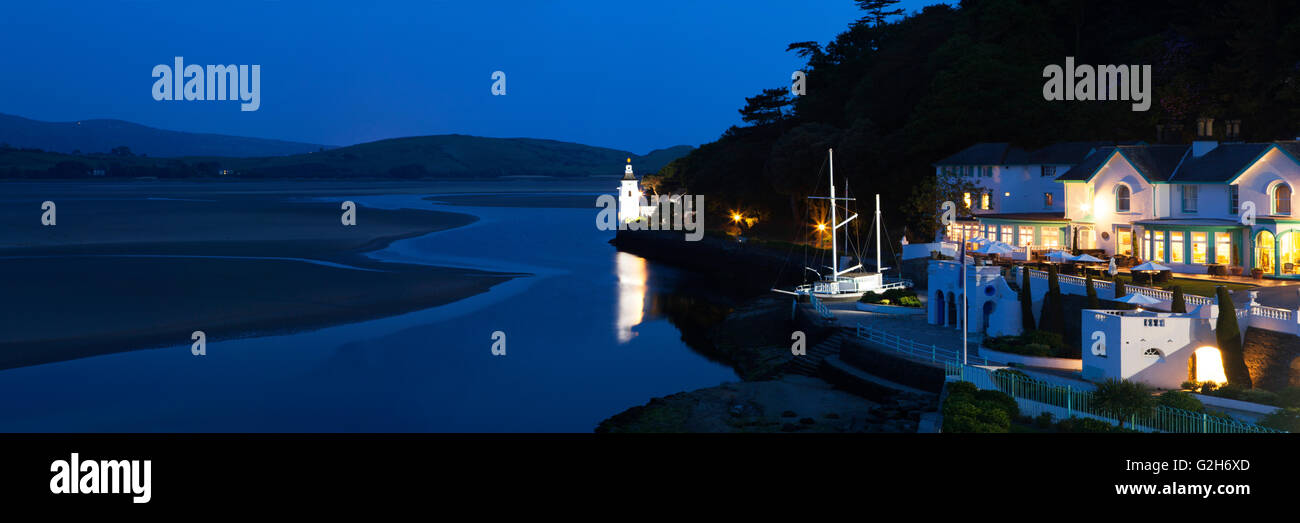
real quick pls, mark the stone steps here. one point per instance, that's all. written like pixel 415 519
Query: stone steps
pixel 809 363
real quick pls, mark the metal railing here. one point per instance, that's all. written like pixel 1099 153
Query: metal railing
pixel 932 353
pixel 1064 401
pixel 820 307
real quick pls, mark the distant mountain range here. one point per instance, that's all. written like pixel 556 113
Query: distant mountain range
pixel 73 147
pixel 101 136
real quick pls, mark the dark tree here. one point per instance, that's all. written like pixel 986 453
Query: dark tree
pixel 1229 337
pixel 1026 302
pixel 1178 303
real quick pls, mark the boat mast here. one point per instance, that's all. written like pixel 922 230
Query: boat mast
pixel 879 269
pixel 835 256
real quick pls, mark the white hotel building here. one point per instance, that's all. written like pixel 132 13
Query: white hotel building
pixel 1179 205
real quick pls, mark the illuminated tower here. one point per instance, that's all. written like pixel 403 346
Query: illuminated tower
pixel 629 196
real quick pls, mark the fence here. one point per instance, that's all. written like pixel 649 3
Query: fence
pixel 932 353
pixel 1037 396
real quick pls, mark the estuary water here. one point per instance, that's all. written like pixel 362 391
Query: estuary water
pixel 586 336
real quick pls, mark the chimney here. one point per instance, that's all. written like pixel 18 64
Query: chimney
pixel 1204 142
pixel 1231 130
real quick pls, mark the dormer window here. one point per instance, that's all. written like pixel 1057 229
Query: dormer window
pixel 1282 199
pixel 1122 195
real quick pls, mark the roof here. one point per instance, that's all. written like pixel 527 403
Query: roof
pixel 1192 222
pixel 1025 216
pixel 978 154
pixel 1002 153
pixel 1156 163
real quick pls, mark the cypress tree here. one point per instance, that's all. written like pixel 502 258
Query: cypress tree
pixel 1229 336
pixel 1119 287
pixel 1026 302
pixel 1053 316
pixel 1178 304
pixel 1093 303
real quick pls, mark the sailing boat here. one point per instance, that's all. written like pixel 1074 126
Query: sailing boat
pixel 850 283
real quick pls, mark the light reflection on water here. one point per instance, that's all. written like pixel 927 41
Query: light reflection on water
pixel 631 271
pixel 592 332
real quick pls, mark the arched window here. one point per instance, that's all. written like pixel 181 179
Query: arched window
pixel 1282 199
pixel 1121 198
pixel 1153 352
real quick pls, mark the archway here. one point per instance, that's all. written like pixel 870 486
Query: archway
pixel 1294 375
pixel 952 310
pixel 1288 252
pixel 1264 251
pixel 940 307
pixel 1207 365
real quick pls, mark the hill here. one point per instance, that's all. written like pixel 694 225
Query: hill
pixel 441 156
pixel 102 136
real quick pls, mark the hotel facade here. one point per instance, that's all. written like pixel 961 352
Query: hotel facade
pixel 1191 206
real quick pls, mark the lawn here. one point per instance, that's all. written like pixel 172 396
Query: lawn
pixel 1195 286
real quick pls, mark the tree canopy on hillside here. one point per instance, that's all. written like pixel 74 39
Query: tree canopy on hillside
pixel 896 92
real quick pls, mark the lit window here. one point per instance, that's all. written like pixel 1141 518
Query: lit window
pixel 984 201
pixel 1176 247
pixel 966 198
pixel 1051 237
pixel 1047 200
pixel 1200 246
pixel 1146 244
pixel 1007 232
pixel 1122 198
pixel 1223 248
pixel 1158 246
pixel 1282 199
pixel 1026 236
pixel 1190 194
pixel 1124 240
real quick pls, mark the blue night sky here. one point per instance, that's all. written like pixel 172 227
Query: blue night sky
pixel 635 76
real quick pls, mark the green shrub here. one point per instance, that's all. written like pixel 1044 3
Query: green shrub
pixel 1000 400
pixel 1190 385
pixel 1181 400
pixel 1289 397
pixel 1044 420
pixel 1208 387
pixel 1260 396
pixel 1231 391
pixel 969 410
pixel 1077 424
pixel 904 297
pixel 1032 343
pixel 1123 399
pixel 1287 419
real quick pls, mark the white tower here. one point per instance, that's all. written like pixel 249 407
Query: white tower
pixel 629 196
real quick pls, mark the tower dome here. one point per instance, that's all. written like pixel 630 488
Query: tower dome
pixel 627 171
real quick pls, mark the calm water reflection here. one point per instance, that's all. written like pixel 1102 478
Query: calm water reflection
pixel 592 333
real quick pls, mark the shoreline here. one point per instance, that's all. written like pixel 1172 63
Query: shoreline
pixel 137 287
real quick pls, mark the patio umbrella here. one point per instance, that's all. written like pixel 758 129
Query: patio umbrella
pixel 1150 266
pixel 1087 258
pixel 995 248
pixel 1058 256
pixel 1137 299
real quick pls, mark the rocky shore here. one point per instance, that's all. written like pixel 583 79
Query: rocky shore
pixel 792 403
